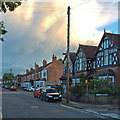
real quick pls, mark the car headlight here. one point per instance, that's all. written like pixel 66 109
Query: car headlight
pixel 50 96
pixel 60 95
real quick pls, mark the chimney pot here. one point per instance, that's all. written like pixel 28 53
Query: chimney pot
pixel 44 62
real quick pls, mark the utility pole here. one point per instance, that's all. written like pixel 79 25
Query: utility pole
pixel 68 53
pixel 11 70
pixel 35 76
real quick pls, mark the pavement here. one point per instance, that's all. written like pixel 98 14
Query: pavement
pixel 110 110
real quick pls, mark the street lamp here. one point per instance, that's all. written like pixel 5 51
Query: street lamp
pixel 86 81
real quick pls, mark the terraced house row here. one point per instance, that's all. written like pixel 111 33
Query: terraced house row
pixel 46 75
pixel 87 62
pixel 90 61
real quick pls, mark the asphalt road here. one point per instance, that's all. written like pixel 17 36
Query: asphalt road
pixel 22 104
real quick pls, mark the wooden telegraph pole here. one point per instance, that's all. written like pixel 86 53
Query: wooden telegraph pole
pixel 68 54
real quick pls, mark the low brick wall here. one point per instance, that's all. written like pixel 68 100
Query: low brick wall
pixel 92 98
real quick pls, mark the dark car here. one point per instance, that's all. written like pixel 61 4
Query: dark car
pixel 50 94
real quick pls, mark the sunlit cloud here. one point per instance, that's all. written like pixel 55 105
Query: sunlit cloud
pixel 39 29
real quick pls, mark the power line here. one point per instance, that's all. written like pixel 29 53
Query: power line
pixel 80 4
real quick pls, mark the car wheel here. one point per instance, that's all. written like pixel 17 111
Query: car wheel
pixel 47 100
pixel 34 96
pixel 41 98
pixel 38 96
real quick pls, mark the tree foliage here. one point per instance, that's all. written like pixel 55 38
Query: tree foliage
pixel 4 7
pixel 8 76
pixel 31 81
pixel 9 6
pixel 2 30
pixel 102 86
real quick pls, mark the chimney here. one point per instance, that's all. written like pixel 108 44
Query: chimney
pixel 27 71
pixel 44 62
pixel 36 67
pixel 31 69
pixel 54 58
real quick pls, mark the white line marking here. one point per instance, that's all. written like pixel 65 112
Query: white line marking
pixel 1 115
pixel 84 111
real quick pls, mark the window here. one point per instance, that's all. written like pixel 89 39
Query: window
pixel 93 64
pixel 101 61
pixel 39 74
pixel 98 62
pixel 105 44
pixel 110 60
pixel 106 57
pixel 44 74
pixel 80 63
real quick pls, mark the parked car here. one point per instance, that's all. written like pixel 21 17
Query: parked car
pixel 9 86
pixel 13 88
pixel 25 88
pixel 30 89
pixel 3 86
pixel 6 86
pixel 50 94
pixel 37 92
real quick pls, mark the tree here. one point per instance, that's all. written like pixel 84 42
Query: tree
pixel 2 30
pixel 4 7
pixel 31 81
pixel 8 76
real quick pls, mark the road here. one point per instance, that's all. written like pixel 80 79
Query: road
pixel 22 104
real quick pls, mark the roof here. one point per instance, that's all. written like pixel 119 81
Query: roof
pixel 65 77
pixel 88 50
pixel 72 57
pixel 47 66
pixel 103 72
pixel 114 37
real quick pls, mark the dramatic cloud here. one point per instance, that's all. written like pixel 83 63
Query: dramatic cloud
pixel 37 30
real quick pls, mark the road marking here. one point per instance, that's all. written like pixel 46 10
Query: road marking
pixel 10 92
pixel 85 111
pixel 1 115
pixel 112 115
pixel 34 106
pixel 79 110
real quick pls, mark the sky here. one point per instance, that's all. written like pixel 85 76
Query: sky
pixel 37 30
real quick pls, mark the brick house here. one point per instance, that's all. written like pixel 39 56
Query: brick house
pixel 52 72
pixel 46 75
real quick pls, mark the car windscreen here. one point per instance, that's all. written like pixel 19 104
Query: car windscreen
pixel 51 90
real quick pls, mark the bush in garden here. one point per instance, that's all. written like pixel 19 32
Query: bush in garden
pixel 102 86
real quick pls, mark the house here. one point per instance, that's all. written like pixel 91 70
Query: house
pixel 90 61
pixel 52 72
pixel 46 75
pixel 84 61
pixel 107 58
pixel 63 77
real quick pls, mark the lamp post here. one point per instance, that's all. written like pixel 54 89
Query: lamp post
pixel 75 75
pixel 86 81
